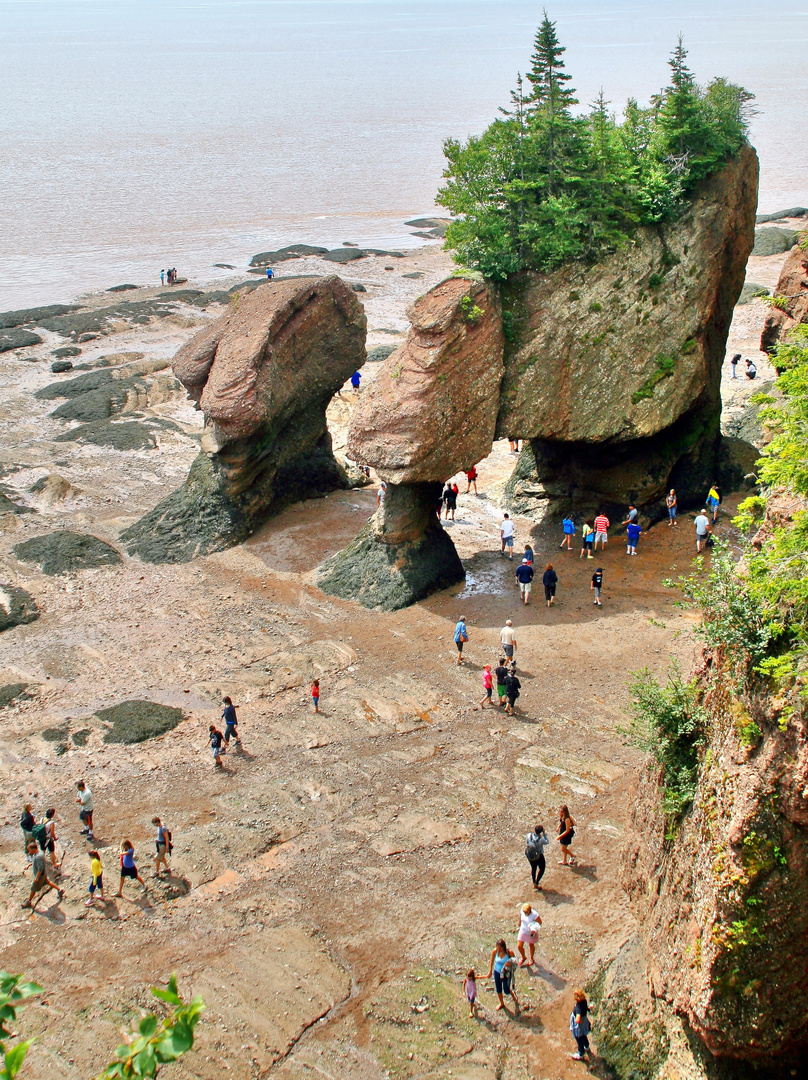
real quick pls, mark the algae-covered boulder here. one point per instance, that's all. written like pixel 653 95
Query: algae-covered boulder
pixel 136 721
pixel 263 374
pixel 773 241
pixel 17 607
pixel 612 366
pixel 64 552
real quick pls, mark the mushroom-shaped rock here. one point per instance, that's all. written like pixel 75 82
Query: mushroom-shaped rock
pixel 432 407
pixel 613 370
pixel 263 375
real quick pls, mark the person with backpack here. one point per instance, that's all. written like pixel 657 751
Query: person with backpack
pixel 587 538
pixel 84 798
pixel 27 824
pixel 41 883
pixel 714 501
pixel 461 636
pixel 568 526
pixel 703 530
pixel 215 738
pixel 163 846
pixel 535 843
pixel 128 867
pixel 579 1025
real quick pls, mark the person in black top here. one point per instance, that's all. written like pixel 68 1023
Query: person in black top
pixel 512 688
pixel 524 577
pixel 597 585
pixel 230 722
pixel 27 823
pixel 501 674
pixel 448 499
pixel 216 739
pixel 549 580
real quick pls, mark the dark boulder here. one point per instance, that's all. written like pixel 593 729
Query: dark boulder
pixel 65 351
pixel 64 552
pixel 18 339
pixel 17 607
pixel 136 721
pixel 122 288
pixel 774 241
pixel 33 316
pixel 792 212
pixel 293 251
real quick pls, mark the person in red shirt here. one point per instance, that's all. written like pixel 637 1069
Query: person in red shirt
pixel 315 694
pixel 471 478
pixel 601 531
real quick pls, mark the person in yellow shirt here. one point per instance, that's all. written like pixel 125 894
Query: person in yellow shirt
pixel 97 883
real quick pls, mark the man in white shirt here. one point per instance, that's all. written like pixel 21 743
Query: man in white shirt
pixel 84 798
pixel 703 529
pixel 506 534
pixel 507 636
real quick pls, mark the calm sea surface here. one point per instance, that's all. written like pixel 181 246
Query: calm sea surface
pixel 138 134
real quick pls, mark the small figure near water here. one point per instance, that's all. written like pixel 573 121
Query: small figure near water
pixel 270 273
pixel 162 277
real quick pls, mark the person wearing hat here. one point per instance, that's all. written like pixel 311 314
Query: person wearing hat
pixel 524 578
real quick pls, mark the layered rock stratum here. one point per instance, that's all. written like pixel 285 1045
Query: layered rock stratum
pixel 792 293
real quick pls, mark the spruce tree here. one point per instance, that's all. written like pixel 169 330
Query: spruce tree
pixel 549 104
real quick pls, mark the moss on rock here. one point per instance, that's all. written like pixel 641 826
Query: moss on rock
pixel 136 721
pixel 64 552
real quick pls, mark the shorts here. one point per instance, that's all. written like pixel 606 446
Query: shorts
pixel 549 591
pixel 604 537
pixel 216 751
pixel 701 537
pixel 597 592
pixel 508 650
pixel 97 884
pixel 524 588
pixel 161 850
pixel 507 541
pixel 459 645
pixel 489 691
pixel 85 815
pixel 128 871
pixel 589 540
pixel 502 982
pixel 49 846
pixel 39 882
pixel 512 700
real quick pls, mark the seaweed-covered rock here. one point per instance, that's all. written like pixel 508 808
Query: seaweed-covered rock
pixel 14 692
pixel 58 367
pixel 116 434
pixel 401 556
pixel 17 339
pixel 264 374
pixel 773 241
pixel 17 607
pixel 64 552
pixel 34 316
pixel 136 721
pixel 612 365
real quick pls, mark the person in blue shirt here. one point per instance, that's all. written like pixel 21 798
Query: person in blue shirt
pixel 461 636
pixel 633 531
pixel 569 531
pixel 270 273
pixel 355 380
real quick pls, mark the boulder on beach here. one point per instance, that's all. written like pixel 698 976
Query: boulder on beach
pixel 792 212
pixel 33 316
pixel 428 223
pixel 58 367
pixel 17 338
pixel 752 291
pixel 122 288
pixel 17 607
pixel 263 373
pixel 65 552
pixel 136 721
pixel 66 350
pixel 53 489
pixel 293 251
pixel 773 241
pixel 117 435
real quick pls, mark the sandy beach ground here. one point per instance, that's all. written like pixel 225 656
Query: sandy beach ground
pixel 332 885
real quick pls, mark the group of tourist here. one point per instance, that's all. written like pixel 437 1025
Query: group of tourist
pixel 168 277
pixel 751 370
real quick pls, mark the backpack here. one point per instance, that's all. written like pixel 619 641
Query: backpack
pixel 40 834
pixel 167 835
pixel 532 847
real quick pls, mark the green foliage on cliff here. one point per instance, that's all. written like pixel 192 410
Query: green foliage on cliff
pixel 545 184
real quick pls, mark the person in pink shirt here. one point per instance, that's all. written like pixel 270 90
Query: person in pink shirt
pixel 488 686
pixel 601 531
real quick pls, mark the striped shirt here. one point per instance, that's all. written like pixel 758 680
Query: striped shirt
pixel 601 523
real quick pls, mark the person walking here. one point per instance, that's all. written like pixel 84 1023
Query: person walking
pixel 315 694
pixel 355 380
pixel 451 499
pixel 27 824
pixel 528 555
pixel 96 879
pixel 162 277
pixel 549 580
pixel 597 585
pixel 41 882
pixel 461 636
pixel 162 845
pixel 470 991
pixel 734 364
pixel 84 798
pixel 580 1026
pixel 601 531
pixel 587 537
pixel 672 504
pixel 513 445
pixel 535 843
pixel 215 738
pixel 703 530
pixel 488 686
pixel 714 501
pixel 506 535
pixel 270 273
pixel 501 673
pixel 568 525
pixel 503 968
pixel 128 867
pixel 471 479
pixel 524 579
pixel 512 688
pixel 230 721
pixel 529 923
pixel 49 846
pixel 566 834
pixel 633 531
pixel 507 637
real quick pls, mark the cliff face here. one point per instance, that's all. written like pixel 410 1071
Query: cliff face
pixel 792 286
pixel 613 371
pixel 722 903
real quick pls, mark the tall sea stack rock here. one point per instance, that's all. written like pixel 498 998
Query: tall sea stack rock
pixel 612 371
pixel 792 286
pixel 263 374
pixel 430 412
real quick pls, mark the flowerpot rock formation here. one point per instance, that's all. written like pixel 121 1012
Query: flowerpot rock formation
pixel 613 371
pixel 263 374
pixel 430 412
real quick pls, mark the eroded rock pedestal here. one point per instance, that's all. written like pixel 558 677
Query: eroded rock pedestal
pixel 430 412
pixel 263 374
pixel 792 288
pixel 613 371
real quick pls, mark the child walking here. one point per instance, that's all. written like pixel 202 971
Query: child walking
pixel 488 686
pixel 315 694
pixel 470 990
pixel 97 882
pixel 128 867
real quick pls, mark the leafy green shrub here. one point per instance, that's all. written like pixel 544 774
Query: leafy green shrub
pixel 470 312
pixel 669 723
